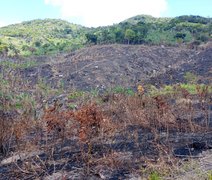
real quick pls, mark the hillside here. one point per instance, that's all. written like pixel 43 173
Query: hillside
pixel 103 105
pixel 39 37
pixel 107 66
pixel 80 115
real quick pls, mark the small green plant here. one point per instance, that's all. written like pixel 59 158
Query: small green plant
pixel 171 89
pixel 25 102
pixel 191 88
pixel 72 106
pixel 190 77
pixel 154 176
pixel 168 89
pixel 43 88
pixel 210 175
pixel 122 90
pixel 76 94
pixel 94 92
pixel 129 92
pixel 151 89
pixel 119 89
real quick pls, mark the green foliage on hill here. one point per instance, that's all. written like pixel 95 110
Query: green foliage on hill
pixel 41 37
pixel 51 36
pixel 156 31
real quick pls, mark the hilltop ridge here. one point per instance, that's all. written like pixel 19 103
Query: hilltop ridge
pixel 50 36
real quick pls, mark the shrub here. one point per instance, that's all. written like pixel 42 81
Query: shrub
pixel 76 94
pixel 190 77
pixel 154 176
pixel 122 90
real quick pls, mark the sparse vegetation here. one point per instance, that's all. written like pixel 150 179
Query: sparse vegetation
pixel 210 176
pixel 171 89
pixel 154 176
pixel 103 132
pixel 97 113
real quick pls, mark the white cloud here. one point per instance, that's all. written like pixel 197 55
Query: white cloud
pixel 107 12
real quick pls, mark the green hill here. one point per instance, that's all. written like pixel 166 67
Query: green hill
pixel 146 19
pixel 42 37
pixel 51 35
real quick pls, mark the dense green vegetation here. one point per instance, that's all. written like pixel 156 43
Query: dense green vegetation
pixel 51 36
pixel 40 37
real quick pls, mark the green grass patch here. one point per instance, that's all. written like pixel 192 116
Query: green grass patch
pixel 154 176
pixel 122 90
pixel 192 88
pixel 172 89
pixel 76 94
pixel 15 65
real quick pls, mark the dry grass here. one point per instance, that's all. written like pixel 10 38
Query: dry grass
pixel 117 131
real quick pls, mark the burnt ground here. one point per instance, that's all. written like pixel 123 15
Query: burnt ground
pixel 201 65
pixel 132 145
pixel 122 157
pixel 106 66
pixel 133 148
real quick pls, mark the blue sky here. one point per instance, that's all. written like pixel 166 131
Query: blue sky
pixel 98 12
pixel 189 7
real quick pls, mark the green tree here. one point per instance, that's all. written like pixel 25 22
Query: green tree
pixel 141 30
pixel 119 35
pixel 129 35
pixel 180 35
pixel 91 38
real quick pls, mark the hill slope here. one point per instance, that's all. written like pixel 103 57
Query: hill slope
pixel 41 36
pixel 52 36
pixel 106 66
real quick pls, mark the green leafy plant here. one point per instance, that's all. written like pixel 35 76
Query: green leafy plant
pixel 76 94
pixel 154 176
pixel 122 90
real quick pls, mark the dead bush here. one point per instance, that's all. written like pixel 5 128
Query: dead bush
pixel 6 131
pixel 88 121
pixel 89 118
pixel 54 119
